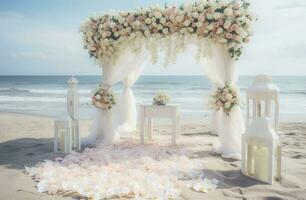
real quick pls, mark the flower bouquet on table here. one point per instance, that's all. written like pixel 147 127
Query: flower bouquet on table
pixel 104 98
pixel 225 98
pixel 161 99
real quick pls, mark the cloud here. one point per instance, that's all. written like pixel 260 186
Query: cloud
pixel 30 44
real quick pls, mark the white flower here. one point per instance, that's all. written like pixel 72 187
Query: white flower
pixel 121 20
pixel 229 97
pixel 165 31
pixel 179 18
pixel 190 29
pixel 227 105
pixel 159 27
pixel 195 15
pixel 112 24
pixel 228 12
pixel 163 20
pixel 227 24
pixel 217 15
pixel 210 27
pixel 137 23
pixel 158 15
pixel 199 24
pixel 186 23
pixel 148 21
pixel 116 34
pixel 147 33
pixel 219 30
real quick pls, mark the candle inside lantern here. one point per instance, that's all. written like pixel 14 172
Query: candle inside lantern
pixel 62 140
pixel 260 165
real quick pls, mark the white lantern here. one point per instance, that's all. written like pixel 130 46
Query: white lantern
pixel 261 151
pixel 73 111
pixel 263 94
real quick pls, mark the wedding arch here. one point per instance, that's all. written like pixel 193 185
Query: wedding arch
pixel 123 42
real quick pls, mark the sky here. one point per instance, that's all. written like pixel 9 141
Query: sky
pixel 41 37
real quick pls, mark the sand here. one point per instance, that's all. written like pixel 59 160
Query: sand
pixel 27 140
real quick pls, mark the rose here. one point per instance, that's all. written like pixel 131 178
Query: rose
pixel 147 33
pixel 137 23
pixel 229 97
pixel 246 40
pixel 210 27
pixel 217 15
pixel 227 24
pixel 108 33
pixel 158 15
pixel 148 21
pixel 195 15
pixel 190 29
pixel 199 24
pixel 219 30
pixel 163 20
pixel 112 24
pixel 186 23
pixel 165 31
pixel 121 20
pixel 94 25
pixel 238 38
pixel 201 18
pixel 228 12
pixel 179 18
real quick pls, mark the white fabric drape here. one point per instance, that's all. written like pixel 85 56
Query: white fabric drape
pixel 104 127
pixel 127 103
pixel 220 69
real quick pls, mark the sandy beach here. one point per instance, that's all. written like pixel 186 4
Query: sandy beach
pixel 26 140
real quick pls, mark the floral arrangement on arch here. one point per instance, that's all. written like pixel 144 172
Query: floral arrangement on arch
pixel 225 98
pixel 225 23
pixel 103 98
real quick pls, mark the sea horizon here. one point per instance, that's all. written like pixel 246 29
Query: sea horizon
pixel 45 95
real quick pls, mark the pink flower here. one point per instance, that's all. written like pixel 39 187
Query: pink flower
pixel 216 25
pixel 95 25
pixel 236 6
pixel 229 35
pixel 220 22
pixel 194 24
pixel 235 27
pixel 246 40
pixel 201 18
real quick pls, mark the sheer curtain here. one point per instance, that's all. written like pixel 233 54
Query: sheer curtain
pixel 104 127
pixel 127 103
pixel 220 69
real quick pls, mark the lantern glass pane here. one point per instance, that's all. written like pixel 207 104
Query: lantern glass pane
pixel 261 163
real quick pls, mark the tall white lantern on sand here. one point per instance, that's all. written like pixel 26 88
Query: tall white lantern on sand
pixel 261 151
pixel 73 111
pixel 264 97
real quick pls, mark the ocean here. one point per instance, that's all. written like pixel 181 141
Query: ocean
pixel 46 95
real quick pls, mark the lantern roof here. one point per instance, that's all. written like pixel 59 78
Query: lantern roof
pixel 263 85
pixel 261 128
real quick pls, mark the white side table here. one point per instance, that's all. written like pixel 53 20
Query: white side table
pixel 154 111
